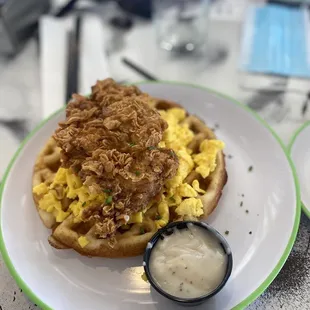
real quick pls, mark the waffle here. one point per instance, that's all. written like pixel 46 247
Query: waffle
pixel 45 168
pixel 127 242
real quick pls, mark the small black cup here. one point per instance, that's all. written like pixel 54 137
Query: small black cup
pixel 168 230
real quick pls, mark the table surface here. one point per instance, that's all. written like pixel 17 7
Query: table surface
pixel 290 289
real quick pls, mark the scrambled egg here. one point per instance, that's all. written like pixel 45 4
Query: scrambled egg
pixel 182 196
pixel 178 194
pixel 206 159
pixel 67 184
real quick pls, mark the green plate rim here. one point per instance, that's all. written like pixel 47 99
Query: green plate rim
pixel 256 293
pixel 290 146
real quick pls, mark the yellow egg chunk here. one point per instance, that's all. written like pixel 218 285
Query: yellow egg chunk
pixel 185 190
pixel 83 241
pixel 101 198
pixel 176 136
pixel 60 215
pixel 173 200
pixel 206 159
pixel 136 218
pixel 76 207
pixel 60 177
pixel 163 211
pixel 143 277
pixel 49 203
pixel 40 189
pixel 186 165
pixel 190 207
pixel 82 193
pixel 74 182
pixel 162 144
pixel 197 188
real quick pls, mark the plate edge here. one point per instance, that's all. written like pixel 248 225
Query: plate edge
pixel 19 281
pixel 289 147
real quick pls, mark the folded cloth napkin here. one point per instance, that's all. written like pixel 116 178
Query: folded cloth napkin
pixel 53 58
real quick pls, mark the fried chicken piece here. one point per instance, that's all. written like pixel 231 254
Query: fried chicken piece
pixel 110 140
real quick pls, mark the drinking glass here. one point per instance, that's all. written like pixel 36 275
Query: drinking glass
pixel 181 25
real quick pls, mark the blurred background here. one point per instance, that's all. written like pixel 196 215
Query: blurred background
pixel 253 51
pixel 257 52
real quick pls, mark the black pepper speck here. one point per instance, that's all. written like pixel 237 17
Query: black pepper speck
pixel 250 168
pixel 14 298
pixel 246 211
pixel 241 203
pixel 250 233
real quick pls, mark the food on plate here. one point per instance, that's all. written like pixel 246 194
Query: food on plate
pixel 121 166
pixel 188 263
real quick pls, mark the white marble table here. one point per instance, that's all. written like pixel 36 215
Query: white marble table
pixel 290 289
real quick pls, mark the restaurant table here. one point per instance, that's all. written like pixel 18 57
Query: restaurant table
pixel 218 71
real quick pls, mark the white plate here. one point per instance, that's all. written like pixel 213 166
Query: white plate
pixel 300 152
pixel 65 280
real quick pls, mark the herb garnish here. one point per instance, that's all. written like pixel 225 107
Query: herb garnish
pixel 107 191
pixel 108 200
pixel 250 168
pixel 157 217
pixel 227 232
pixel 151 148
pixel 131 144
pixel 142 231
pixel 137 173
pixel 83 204
pixel 172 199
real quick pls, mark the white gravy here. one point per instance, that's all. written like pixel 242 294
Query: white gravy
pixel 188 263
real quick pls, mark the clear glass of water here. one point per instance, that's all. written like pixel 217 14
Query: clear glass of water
pixel 181 25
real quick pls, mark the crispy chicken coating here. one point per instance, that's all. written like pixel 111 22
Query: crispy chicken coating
pixel 110 140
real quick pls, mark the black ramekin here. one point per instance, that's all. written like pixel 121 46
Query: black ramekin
pixel 168 230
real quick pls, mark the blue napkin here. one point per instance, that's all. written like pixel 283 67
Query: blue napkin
pixel 276 41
